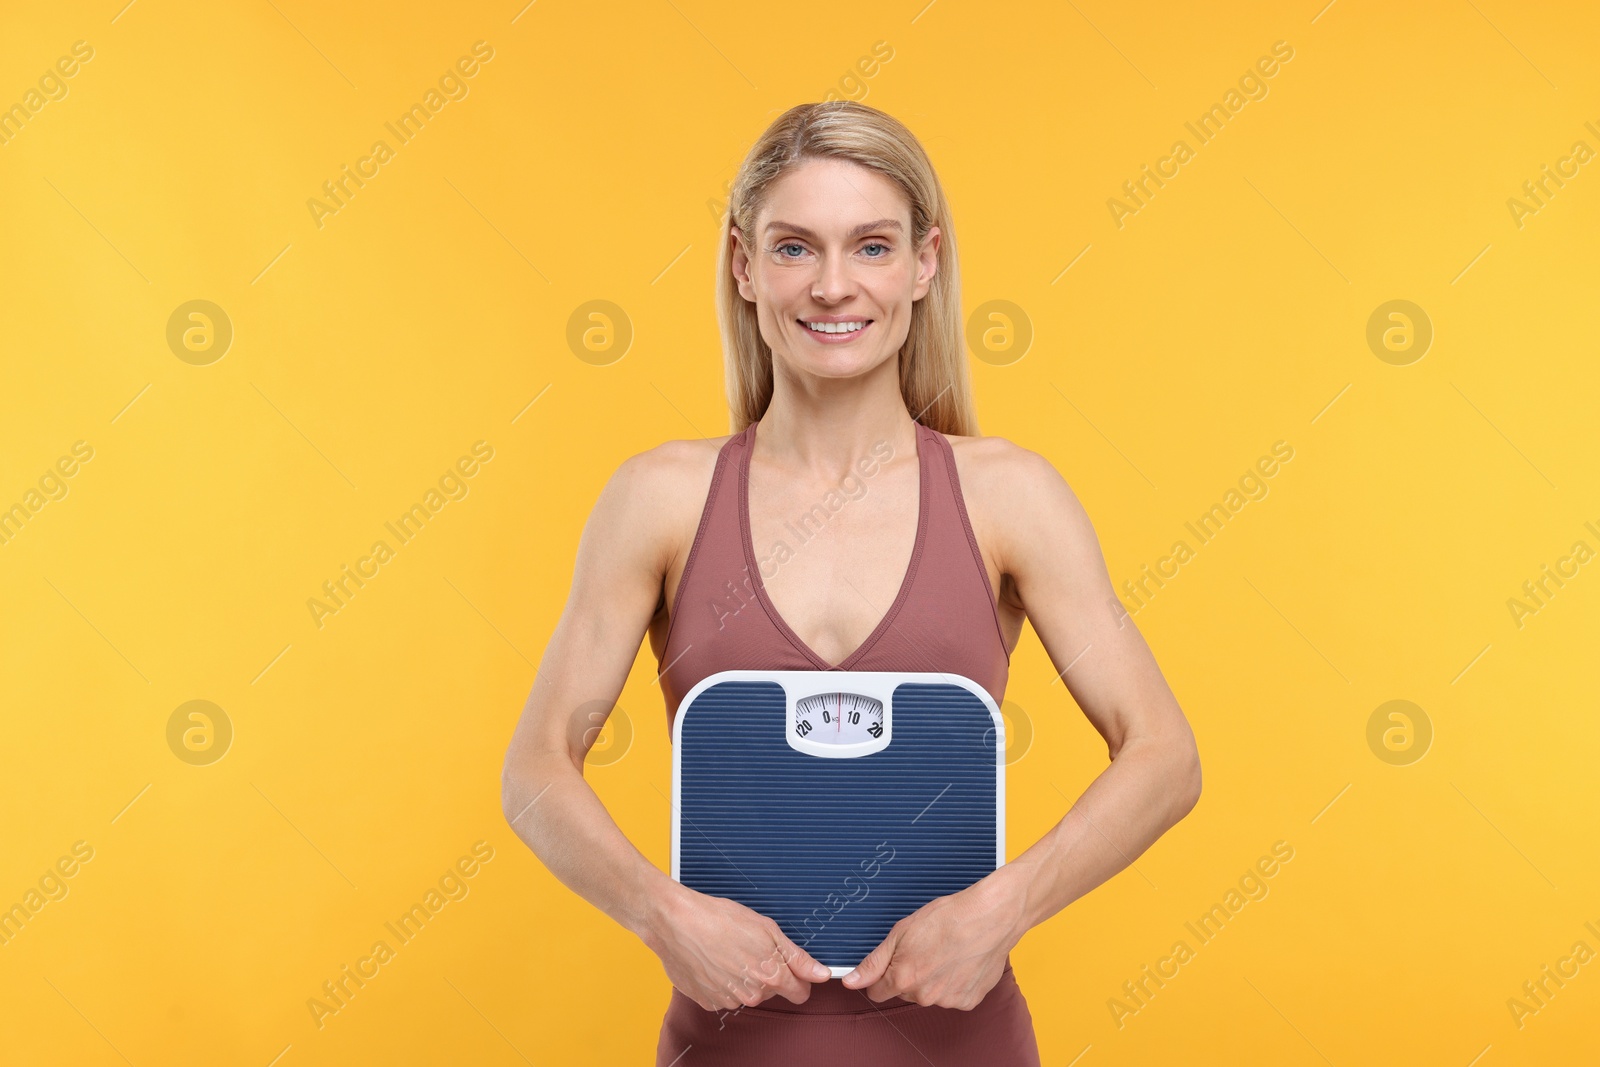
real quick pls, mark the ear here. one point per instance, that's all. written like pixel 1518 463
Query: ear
pixel 739 264
pixel 927 263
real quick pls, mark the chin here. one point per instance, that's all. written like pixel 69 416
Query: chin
pixel 844 367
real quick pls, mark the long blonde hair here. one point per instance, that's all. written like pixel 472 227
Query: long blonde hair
pixel 933 365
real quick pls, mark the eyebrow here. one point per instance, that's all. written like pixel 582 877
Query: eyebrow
pixel 859 231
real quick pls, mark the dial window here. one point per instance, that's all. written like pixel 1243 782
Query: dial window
pixel 838 718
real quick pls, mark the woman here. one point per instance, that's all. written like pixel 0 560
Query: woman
pixel 853 521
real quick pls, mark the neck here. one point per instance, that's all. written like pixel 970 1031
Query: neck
pixel 824 426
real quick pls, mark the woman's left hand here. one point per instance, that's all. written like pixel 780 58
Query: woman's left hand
pixel 948 953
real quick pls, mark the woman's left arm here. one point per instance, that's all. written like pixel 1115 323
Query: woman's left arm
pixel 952 951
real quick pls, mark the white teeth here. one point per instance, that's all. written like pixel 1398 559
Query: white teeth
pixel 835 327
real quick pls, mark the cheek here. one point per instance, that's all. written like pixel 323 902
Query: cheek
pixel 787 289
pixel 768 322
pixel 769 318
pixel 782 298
pixel 893 295
pixel 893 285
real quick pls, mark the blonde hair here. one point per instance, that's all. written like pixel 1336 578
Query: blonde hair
pixel 933 365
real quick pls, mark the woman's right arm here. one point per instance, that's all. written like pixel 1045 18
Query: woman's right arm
pixel 718 952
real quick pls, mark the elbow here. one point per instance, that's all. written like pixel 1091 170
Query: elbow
pixel 510 787
pixel 1172 764
pixel 517 789
pixel 1186 781
pixel 525 778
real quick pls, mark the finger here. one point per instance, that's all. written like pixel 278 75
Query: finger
pixel 801 963
pixel 776 979
pixel 889 986
pixel 750 987
pixel 874 964
pixel 800 970
pixel 767 975
pixel 717 1000
pixel 781 968
pixel 795 990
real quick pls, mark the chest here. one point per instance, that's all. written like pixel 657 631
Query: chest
pixel 833 559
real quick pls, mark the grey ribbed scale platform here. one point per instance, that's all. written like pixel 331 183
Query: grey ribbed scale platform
pixel 836 850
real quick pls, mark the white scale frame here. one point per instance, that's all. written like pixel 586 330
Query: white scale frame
pixel 880 686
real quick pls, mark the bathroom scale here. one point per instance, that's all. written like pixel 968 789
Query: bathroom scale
pixel 836 802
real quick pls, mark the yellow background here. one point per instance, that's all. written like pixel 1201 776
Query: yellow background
pixel 586 163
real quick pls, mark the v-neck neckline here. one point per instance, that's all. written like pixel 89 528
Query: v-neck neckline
pixel 754 567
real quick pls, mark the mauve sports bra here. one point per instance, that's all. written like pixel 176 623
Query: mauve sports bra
pixel 943 619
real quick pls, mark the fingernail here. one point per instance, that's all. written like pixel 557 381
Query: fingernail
pixel 820 971
pixel 851 976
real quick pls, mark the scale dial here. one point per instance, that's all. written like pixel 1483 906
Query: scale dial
pixel 838 718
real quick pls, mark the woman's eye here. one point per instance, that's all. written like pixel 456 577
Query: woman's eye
pixel 783 249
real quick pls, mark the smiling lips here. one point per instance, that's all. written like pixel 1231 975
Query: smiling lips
pixel 835 331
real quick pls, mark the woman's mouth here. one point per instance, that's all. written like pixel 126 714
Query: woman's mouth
pixel 832 333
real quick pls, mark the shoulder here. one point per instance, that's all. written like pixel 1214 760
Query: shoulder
pixel 666 478
pixel 654 495
pixel 998 468
pixel 669 466
pixel 1014 495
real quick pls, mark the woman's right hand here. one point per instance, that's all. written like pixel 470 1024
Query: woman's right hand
pixel 723 956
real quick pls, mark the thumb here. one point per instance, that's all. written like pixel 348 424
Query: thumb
pixel 872 966
pixel 801 962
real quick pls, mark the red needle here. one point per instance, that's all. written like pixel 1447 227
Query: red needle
pixel 837 724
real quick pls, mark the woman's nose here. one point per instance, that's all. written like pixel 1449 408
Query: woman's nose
pixel 833 279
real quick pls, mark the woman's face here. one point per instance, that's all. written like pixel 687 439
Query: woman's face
pixel 833 246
